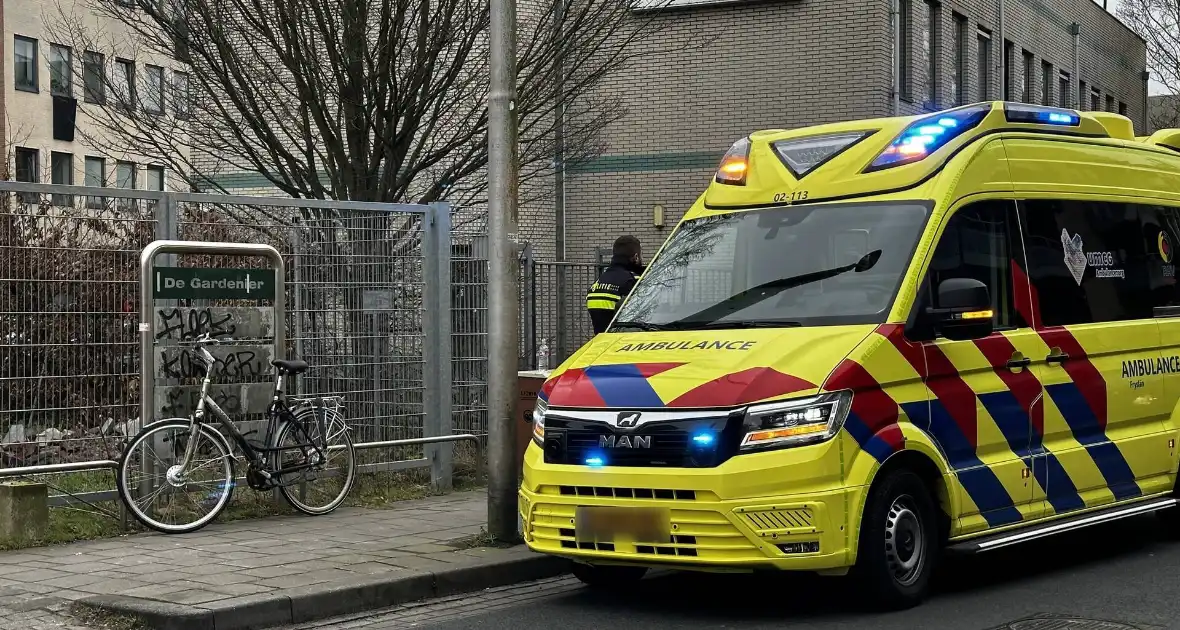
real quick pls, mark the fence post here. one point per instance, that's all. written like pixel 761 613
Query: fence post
pixel 530 307
pixel 437 416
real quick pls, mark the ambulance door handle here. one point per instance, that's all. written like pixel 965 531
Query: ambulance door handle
pixel 1016 363
pixel 1057 356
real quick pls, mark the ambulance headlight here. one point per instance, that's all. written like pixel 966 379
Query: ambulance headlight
pixel 795 422
pixel 538 421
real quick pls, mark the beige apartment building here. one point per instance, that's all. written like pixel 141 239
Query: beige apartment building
pixel 793 63
pixel 50 86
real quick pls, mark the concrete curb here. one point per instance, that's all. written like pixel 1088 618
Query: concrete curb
pixel 332 599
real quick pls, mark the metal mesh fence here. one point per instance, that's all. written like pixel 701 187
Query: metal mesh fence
pixel 554 308
pixel 69 269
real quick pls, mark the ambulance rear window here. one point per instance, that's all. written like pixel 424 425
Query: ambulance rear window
pixel 796 266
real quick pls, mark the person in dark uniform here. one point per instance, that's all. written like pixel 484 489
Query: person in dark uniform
pixel 613 286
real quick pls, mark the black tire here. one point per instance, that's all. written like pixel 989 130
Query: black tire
pixel 608 578
pixel 899 542
pixel 291 492
pixel 180 424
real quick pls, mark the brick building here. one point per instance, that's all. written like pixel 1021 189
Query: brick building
pixel 792 63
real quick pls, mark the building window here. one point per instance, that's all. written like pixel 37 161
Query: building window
pixel 933 45
pixel 1029 78
pixel 25 58
pixel 125 179
pixel 984 88
pixel 1009 51
pixel 181 100
pixel 959 76
pixel 1063 90
pixel 904 47
pixel 125 83
pixel 1046 83
pixel 61 70
pixel 96 177
pixel 1083 92
pixel 1095 100
pixel 1122 108
pixel 153 98
pixel 94 77
pixel 1110 103
pixel 61 166
pixel 155 178
pixel 28 170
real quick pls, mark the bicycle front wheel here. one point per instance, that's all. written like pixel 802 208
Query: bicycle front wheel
pixel 315 481
pixel 159 493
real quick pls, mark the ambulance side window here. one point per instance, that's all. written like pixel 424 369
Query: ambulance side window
pixel 978 243
pixel 1161 228
pixel 1089 261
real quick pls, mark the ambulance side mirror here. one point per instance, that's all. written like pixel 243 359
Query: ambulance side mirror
pixel 964 309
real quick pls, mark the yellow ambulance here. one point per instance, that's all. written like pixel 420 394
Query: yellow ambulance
pixel 871 343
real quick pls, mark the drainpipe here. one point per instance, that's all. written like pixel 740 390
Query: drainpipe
pixel 1075 84
pixel 895 20
pixel 1146 76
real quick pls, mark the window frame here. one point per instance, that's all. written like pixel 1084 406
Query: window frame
pixel 153 101
pixel 1046 83
pixel 68 88
pixel 933 49
pixel 127 71
pixel 1008 58
pixel 984 52
pixel 959 89
pixel 35 176
pixel 928 293
pixel 905 52
pixel 95 201
pixel 182 95
pixel 90 60
pixel 54 156
pixel 1030 72
pixel 35 86
pixel 1064 88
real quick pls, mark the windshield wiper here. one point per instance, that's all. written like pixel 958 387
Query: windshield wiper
pixel 748 323
pixel 644 326
pixel 767 290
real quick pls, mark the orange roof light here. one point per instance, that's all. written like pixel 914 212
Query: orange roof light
pixel 735 164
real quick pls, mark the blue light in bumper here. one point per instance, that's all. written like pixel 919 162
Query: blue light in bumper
pixel 595 461
pixel 703 439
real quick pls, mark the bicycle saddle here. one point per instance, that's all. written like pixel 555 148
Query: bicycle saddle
pixel 290 366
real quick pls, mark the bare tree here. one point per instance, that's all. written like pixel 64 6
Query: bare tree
pixel 1158 22
pixel 368 100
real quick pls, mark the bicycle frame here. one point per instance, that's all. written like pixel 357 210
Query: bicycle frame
pixel 277 411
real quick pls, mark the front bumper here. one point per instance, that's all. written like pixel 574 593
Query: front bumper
pixel 784 510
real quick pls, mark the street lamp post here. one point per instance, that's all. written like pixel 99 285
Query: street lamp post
pixel 503 327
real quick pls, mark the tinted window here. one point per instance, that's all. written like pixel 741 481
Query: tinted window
pixel 978 244
pixel 1161 229
pixel 1088 261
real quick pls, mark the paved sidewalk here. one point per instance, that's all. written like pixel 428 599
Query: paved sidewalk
pixel 273 561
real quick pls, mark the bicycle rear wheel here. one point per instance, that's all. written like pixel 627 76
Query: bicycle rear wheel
pixel 163 497
pixel 325 483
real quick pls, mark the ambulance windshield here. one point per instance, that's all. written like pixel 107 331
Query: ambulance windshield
pixel 809 265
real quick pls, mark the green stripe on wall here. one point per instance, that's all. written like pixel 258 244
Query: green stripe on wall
pixel 604 164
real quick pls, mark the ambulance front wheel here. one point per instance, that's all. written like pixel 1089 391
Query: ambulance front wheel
pixel 898 541
pixel 608 577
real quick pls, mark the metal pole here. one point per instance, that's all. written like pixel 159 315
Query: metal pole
pixel 503 271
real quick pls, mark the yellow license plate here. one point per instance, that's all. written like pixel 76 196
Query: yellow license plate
pixel 608 524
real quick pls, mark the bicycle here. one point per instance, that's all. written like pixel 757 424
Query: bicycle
pixel 315 426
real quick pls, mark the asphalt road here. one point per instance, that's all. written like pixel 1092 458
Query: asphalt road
pixel 1125 573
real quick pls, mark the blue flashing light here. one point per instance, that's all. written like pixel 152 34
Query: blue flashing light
pixel 1041 115
pixel 595 461
pixel 927 135
pixel 703 439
